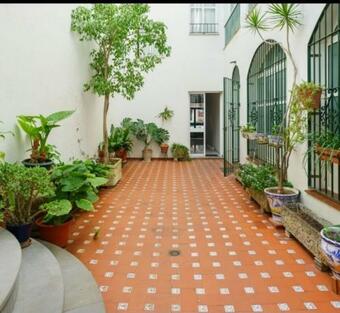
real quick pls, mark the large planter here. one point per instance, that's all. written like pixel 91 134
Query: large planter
pixel 147 154
pixel 331 249
pixel 328 154
pixel 115 173
pixel 305 226
pixel 260 198
pixel 278 200
pixel 122 154
pixel 56 234
pixel 46 164
pixel 21 232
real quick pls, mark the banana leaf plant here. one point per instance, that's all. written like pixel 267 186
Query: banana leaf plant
pixel 38 129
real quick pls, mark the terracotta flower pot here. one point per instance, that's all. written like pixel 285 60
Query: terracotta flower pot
pixel 313 100
pixel 164 148
pixel 122 154
pixel 328 154
pixel 56 234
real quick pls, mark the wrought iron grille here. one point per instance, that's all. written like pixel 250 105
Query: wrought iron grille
pixel 266 96
pixel 323 68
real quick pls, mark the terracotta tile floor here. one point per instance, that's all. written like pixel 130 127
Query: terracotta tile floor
pixel 231 258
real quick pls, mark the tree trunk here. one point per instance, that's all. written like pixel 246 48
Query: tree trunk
pixel 105 132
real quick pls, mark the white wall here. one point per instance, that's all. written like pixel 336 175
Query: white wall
pixel 42 69
pixel 241 49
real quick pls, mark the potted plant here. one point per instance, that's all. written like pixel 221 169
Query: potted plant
pixel 120 34
pixel 20 187
pixel 275 140
pixel 330 247
pixel 248 131
pixel 166 114
pixel 180 152
pixel 284 16
pixel 54 226
pixel 162 136
pixel 120 142
pixel 146 133
pixel 327 146
pixel 261 138
pixel 38 128
pixel 309 94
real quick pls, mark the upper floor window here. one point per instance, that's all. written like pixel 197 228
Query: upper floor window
pixel 203 18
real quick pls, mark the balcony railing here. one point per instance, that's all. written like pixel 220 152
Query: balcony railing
pixel 233 24
pixel 203 28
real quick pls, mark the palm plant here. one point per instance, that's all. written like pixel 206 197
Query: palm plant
pixel 287 17
pixel 166 114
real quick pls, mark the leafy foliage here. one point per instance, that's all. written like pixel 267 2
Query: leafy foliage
pixel 332 232
pixel 144 132
pixel 248 128
pixel 38 128
pixel 166 114
pixel 76 183
pixel 180 152
pixel 57 212
pixel 19 188
pixel 122 34
pixel 120 138
pixel 3 136
pixel 285 15
pixel 161 136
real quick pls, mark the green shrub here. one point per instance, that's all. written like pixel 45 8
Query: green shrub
pixel 180 152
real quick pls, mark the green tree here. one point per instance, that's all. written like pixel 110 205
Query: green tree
pixel 123 35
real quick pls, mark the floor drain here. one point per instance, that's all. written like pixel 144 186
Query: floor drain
pixel 174 252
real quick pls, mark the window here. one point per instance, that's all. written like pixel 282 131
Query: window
pixel 233 24
pixel 323 69
pixel 203 18
pixel 266 96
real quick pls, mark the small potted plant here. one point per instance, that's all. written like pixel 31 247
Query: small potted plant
pixel 330 246
pixel 166 114
pixel 20 188
pixel 120 142
pixel 180 152
pixel 248 131
pixel 275 140
pixel 38 128
pixel 309 94
pixel 54 225
pixel 327 146
pixel 162 136
pixel 261 138
pixel 146 133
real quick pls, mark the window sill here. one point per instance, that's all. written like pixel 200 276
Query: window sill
pixel 203 34
pixel 321 197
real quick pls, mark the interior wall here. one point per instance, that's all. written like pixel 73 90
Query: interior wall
pixel 213 121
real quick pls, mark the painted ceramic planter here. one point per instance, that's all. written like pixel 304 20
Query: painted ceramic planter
pixel 261 138
pixel 249 135
pixel 278 200
pixel 275 141
pixel 331 250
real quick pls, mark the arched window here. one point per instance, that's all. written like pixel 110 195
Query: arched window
pixel 323 69
pixel 266 96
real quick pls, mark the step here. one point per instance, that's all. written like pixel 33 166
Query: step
pixel 81 291
pixel 40 284
pixel 10 261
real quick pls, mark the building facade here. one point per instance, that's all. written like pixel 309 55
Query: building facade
pixel 219 76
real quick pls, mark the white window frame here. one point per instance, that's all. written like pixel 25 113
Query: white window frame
pixel 200 28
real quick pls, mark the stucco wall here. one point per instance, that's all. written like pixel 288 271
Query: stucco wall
pixel 241 49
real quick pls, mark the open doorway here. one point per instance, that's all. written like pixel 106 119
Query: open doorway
pixel 212 143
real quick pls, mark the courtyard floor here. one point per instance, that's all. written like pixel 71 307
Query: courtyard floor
pixel 231 258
